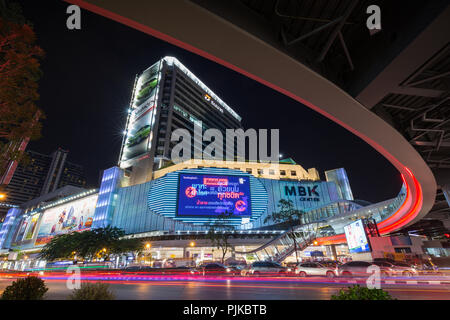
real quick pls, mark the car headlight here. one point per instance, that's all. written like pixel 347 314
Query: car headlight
pixel 228 269
pixel 289 269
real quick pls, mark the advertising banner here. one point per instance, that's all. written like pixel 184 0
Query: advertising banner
pixel 213 195
pixel 69 217
pixel 356 237
pixel 32 227
pixel 142 117
pixel 23 227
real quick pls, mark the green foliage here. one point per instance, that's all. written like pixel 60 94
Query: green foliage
pixel 92 291
pixel 287 214
pixel 19 73
pixel 362 293
pixel 89 244
pixel 29 288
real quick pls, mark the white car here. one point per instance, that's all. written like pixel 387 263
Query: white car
pixel 265 268
pixel 398 268
pixel 315 269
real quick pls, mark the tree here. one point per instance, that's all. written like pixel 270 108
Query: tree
pixel 362 293
pixel 96 243
pixel 287 215
pixel 19 74
pixel 219 233
pixel 127 245
pixel 92 291
pixel 29 288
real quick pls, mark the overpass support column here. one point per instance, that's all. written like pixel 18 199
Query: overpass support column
pixel 446 191
pixel 331 251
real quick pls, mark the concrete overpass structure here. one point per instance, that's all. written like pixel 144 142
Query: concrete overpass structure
pixel 390 91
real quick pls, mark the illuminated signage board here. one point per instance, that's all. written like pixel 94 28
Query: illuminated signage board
pixel 356 237
pixel 213 195
pixel 138 134
pixel 305 193
pixel 69 217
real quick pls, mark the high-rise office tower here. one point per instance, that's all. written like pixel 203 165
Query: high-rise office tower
pixel 40 175
pixel 167 96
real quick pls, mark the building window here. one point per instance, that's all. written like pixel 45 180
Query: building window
pixel 282 172
pixel 271 172
pixel 260 171
pixel 248 170
pixel 293 173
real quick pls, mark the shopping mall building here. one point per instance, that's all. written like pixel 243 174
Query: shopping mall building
pixel 164 212
pixel 173 206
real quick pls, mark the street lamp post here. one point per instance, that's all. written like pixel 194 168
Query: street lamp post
pixel 192 244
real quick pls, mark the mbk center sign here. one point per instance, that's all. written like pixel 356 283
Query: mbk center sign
pixel 308 193
pixel 304 193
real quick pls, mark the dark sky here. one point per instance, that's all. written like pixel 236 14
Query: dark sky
pixel 87 83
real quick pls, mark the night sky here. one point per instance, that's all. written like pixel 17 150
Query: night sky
pixel 87 83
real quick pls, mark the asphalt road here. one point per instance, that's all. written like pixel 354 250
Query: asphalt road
pixel 233 290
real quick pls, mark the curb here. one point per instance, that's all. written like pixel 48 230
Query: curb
pixel 431 282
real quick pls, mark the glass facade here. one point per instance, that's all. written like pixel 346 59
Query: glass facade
pixel 106 197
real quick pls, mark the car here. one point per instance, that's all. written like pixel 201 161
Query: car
pixel 315 269
pixel 265 268
pixel 398 268
pixel 291 265
pixel 138 269
pixel 358 268
pixel 176 270
pixel 330 264
pixel 238 264
pixel 386 269
pixel 146 89
pixel 404 269
pixel 216 269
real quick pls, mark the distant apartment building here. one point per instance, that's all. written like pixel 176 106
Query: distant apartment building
pixel 40 175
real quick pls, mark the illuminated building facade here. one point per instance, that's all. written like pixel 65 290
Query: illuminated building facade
pixel 167 96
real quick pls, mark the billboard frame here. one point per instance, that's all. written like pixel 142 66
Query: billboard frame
pixel 210 216
pixel 363 226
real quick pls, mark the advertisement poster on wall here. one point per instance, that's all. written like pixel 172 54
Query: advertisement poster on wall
pixel 32 227
pixel 22 229
pixel 356 237
pixel 142 117
pixel 69 217
pixel 211 195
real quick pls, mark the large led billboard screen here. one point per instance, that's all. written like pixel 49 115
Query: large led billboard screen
pixel 69 217
pixel 213 195
pixel 142 116
pixel 356 237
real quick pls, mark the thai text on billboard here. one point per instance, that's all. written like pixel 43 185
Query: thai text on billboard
pixel 356 237
pixel 213 195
